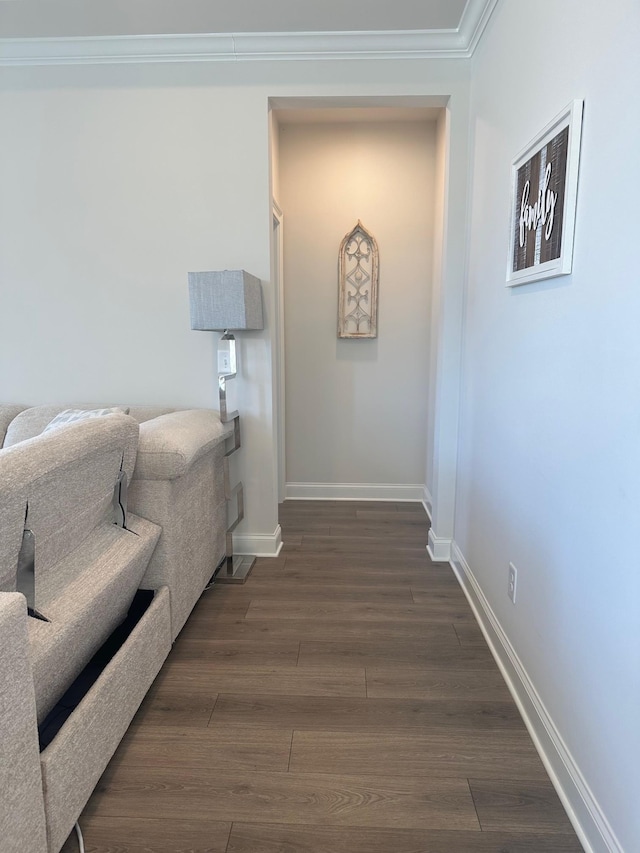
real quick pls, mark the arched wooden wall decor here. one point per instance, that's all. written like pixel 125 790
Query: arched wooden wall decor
pixel 358 285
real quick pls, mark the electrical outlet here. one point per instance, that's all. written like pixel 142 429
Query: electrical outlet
pixel 513 580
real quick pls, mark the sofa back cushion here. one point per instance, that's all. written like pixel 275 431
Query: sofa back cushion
pixel 66 477
pixel 28 422
pixel 8 412
pixel 34 421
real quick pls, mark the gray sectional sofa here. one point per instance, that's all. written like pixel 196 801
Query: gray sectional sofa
pixel 56 735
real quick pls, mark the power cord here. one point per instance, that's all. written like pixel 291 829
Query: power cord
pixel 80 838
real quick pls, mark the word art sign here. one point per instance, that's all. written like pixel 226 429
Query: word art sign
pixel 544 192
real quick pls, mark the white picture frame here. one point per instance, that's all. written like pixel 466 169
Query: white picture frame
pixel 544 190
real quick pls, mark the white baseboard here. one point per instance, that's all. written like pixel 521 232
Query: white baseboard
pixel 353 492
pixel 438 548
pixel 259 545
pixel 588 819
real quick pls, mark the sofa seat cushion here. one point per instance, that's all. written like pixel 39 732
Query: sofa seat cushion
pixel 85 598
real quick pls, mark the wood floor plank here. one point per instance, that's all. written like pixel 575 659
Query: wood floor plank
pixel 442 653
pixel 415 754
pixel 245 629
pixel 291 529
pixel 235 652
pixel 153 791
pixel 264 572
pixel 393 683
pixel 387 561
pixel 331 610
pixel 522 806
pixel 358 544
pixel 140 835
pixel 469 634
pixel 429 597
pixel 390 557
pixel 404 524
pixel 315 591
pixel 372 514
pixel 270 565
pixel 225 748
pixel 430 581
pixel 189 679
pixel 408 532
pixel 388 567
pixel 391 506
pixel 279 838
pixel 348 714
pixel 178 709
pixel 216 601
pixel 305 575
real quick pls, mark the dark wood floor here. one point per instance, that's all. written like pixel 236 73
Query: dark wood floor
pixel 342 701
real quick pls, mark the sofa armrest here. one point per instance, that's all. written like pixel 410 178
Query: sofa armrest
pixel 178 483
pixel 22 820
pixel 170 444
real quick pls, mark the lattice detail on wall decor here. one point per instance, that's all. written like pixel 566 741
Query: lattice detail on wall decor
pixel 358 285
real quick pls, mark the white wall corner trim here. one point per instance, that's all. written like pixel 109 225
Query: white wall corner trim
pixel 354 492
pixel 438 548
pixel 260 544
pixel 427 502
pixel 588 819
pixel 224 47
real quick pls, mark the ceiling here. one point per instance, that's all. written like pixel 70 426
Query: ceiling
pixel 99 18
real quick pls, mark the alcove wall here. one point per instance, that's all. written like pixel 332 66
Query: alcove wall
pixel 356 410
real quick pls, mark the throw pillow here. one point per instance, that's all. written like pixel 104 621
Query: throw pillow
pixel 70 416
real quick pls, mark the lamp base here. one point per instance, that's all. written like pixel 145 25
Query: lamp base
pixel 235 569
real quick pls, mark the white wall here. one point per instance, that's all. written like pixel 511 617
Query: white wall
pixel 439 206
pixel 115 182
pixel 549 466
pixel 356 409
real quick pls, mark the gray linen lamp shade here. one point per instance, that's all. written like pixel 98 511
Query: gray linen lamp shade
pixel 225 300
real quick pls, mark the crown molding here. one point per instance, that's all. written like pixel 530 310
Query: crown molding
pixel 474 20
pixel 233 47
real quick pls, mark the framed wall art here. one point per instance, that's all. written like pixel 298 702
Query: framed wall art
pixel 544 187
pixel 358 285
